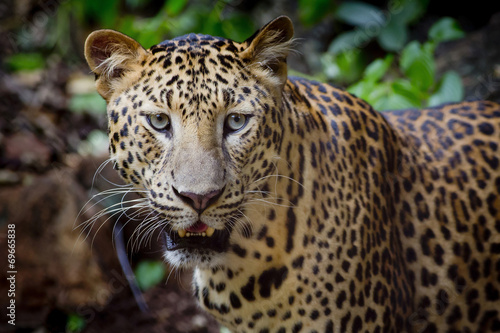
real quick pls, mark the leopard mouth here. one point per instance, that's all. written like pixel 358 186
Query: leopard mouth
pixel 197 237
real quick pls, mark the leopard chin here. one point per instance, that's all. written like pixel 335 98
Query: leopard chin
pixel 190 257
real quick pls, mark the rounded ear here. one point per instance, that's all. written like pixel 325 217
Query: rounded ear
pixel 109 55
pixel 270 46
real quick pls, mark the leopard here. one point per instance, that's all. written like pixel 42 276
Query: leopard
pixel 298 206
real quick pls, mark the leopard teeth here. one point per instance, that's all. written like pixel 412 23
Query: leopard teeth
pixel 207 233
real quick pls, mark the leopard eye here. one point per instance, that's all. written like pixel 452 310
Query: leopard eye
pixel 159 121
pixel 235 121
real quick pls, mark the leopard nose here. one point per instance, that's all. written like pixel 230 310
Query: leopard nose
pixel 199 202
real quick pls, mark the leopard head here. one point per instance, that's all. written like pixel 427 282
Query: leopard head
pixel 195 123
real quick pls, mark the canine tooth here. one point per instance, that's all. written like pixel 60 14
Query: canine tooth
pixel 181 233
pixel 210 231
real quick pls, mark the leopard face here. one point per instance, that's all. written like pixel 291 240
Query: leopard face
pixel 300 207
pixel 197 142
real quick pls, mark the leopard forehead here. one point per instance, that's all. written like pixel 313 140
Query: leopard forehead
pixel 184 70
pixel 196 77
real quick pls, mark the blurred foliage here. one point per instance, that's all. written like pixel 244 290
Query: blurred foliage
pixel 149 273
pixel 75 323
pixel 25 61
pixel 398 80
pixel 87 102
pixel 389 26
pixel 96 144
pixel 312 11
pixel 411 82
pixel 403 75
pixel 173 18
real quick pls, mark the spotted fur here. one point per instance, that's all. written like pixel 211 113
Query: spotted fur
pixel 339 218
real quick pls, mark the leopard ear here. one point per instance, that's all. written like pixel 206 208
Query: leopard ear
pixel 110 54
pixel 270 46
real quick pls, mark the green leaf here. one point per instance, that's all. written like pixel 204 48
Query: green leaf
pixel 312 11
pixel 409 54
pixel 75 323
pixel 393 36
pixel 377 69
pixel 135 4
pixel 360 14
pixel 174 7
pixel 406 11
pixel 346 66
pixel 362 89
pixel 379 91
pixel 25 61
pixel 238 27
pixel 421 72
pixel 417 63
pixel 409 91
pixel 348 40
pixel 445 29
pixel 450 89
pixel 149 273
pixel 387 95
pixel 393 102
pixel 104 12
pixel 92 103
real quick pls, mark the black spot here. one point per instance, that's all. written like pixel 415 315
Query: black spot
pixel 486 128
pixel 241 252
pixel 341 298
pixel 344 321
pixel 347 131
pixel 220 287
pixel 270 277
pixel 172 80
pixel 270 241
pixel 357 324
pixel 290 226
pixel 455 316
pixel 247 290
pixel 491 292
pixel 329 327
pixel 235 300
pixel 411 256
pixel 256 316
pixel 297 328
pixel 220 79
pixel 271 313
pixel 298 262
pixel 495 248
pixel 314 314
pixel 438 254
